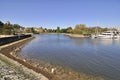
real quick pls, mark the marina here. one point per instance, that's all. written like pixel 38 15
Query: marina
pixel 111 34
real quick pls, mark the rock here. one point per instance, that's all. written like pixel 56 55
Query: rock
pixel 52 70
pixel 24 60
pixel 8 72
pixel 7 78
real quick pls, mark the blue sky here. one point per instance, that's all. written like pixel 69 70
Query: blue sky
pixel 63 13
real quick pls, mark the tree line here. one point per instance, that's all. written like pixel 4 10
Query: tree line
pixel 82 29
pixel 12 29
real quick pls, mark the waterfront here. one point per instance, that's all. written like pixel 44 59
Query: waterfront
pixel 94 56
pixel 16 72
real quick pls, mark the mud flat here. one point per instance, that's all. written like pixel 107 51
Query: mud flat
pixel 62 73
pixel 77 35
pixel 50 71
pixel 10 49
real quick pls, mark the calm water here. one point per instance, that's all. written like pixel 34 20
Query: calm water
pixel 93 56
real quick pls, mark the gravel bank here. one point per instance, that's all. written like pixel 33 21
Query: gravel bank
pixel 12 64
pixel 12 70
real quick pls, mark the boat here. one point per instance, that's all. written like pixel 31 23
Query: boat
pixel 109 35
pixel 106 35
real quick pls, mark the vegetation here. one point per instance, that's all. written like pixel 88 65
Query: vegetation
pixel 83 29
pixel 11 29
pixel 78 29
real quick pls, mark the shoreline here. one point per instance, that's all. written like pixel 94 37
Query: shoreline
pixel 63 73
pixel 8 51
pixel 77 35
pixel 50 71
pixel 12 70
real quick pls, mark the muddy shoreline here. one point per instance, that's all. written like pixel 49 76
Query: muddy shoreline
pixel 12 70
pixel 9 52
pixel 52 72
pixel 77 35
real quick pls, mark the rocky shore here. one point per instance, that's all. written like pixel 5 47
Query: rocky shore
pixel 12 70
pixel 62 73
pixel 8 57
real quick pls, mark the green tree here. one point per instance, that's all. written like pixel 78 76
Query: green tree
pixel 63 30
pixel 7 28
pixel 16 28
pixel 80 29
pixel 69 30
pixel 58 30
pixel 32 30
pixel 1 24
pixel 1 27
pixel 28 30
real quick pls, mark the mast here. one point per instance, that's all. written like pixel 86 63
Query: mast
pixel 96 29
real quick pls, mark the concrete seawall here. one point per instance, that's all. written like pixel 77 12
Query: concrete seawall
pixel 10 39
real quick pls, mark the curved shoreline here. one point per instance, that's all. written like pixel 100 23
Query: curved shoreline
pixel 8 49
pixel 50 71
pixel 12 70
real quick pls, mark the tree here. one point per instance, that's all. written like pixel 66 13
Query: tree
pixel 28 30
pixel 69 30
pixel 7 28
pixel 63 30
pixel 58 30
pixel 1 24
pixel 16 28
pixel 80 29
pixel 32 30
pixel 1 27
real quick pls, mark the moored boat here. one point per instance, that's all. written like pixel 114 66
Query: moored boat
pixel 109 35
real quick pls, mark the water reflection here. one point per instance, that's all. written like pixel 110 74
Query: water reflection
pixel 94 56
pixel 84 41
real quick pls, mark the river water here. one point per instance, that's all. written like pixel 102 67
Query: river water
pixel 93 56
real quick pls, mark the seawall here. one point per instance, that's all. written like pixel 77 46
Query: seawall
pixel 12 70
pixel 10 39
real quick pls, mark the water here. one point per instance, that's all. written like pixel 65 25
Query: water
pixel 93 56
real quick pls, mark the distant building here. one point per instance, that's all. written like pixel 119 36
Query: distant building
pixel 118 29
pixel 27 30
pixel 34 30
pixel 39 30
